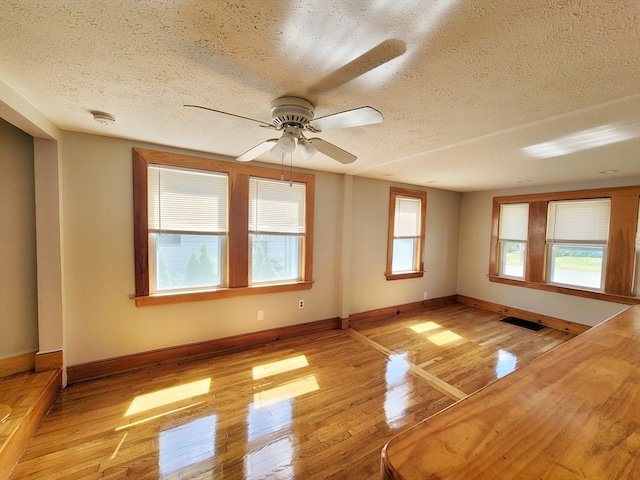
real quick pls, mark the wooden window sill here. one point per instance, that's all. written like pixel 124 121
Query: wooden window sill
pixel 401 276
pixel 199 296
pixel 608 297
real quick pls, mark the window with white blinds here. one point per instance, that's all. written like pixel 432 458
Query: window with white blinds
pixel 577 235
pixel 407 210
pixel 187 216
pixel 276 230
pixel 513 229
pixel 406 234
pixel 577 242
pixel 197 238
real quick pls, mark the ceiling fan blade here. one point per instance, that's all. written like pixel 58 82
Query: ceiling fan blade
pixel 262 124
pixel 350 118
pixel 378 55
pixel 257 150
pixel 330 150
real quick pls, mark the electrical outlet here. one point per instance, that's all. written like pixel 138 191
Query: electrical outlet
pixel 260 316
pixel 300 303
pixel 425 296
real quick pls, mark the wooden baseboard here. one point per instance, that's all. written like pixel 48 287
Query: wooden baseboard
pixel 361 317
pixel 551 322
pixel 22 429
pixel 48 361
pixel 128 363
pixel 17 364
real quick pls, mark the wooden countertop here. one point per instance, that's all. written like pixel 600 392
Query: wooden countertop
pixel 573 413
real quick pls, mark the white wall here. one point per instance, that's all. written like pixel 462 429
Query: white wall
pixel 102 321
pixel 473 262
pixel 18 291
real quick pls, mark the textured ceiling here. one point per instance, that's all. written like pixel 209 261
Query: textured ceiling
pixel 480 95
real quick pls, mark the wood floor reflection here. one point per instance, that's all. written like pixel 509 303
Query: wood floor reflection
pixel 313 407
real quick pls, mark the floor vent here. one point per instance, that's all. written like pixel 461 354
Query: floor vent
pixel 523 323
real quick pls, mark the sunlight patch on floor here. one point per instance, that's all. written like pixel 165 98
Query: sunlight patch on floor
pixel 167 396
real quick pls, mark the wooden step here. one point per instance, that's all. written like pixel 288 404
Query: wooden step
pixel 28 397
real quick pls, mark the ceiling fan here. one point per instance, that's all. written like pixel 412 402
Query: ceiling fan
pixel 294 115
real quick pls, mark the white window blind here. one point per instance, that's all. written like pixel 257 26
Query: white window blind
pixel 407 217
pixel 514 221
pixel 190 201
pixel 276 207
pixel 579 220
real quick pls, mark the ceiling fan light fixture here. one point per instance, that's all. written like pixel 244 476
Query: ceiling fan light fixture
pixel 306 148
pixel 287 143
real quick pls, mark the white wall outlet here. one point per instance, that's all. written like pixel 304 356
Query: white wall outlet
pixel 425 297
pixel 260 316
pixel 300 303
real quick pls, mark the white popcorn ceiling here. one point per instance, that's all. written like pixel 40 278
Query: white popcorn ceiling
pixel 479 82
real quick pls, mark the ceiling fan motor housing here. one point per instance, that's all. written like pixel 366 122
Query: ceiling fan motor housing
pixel 291 111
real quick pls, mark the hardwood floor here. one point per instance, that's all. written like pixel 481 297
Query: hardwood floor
pixel 313 407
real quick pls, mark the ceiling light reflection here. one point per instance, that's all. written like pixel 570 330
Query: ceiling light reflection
pixel 280 366
pixel 575 142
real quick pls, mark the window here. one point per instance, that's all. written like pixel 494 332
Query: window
pixel 579 243
pixel 577 234
pixel 206 229
pixel 405 244
pixel 187 214
pixel 513 232
pixel 276 229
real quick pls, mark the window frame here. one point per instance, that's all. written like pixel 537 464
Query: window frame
pixel 620 264
pixel 238 251
pixel 395 192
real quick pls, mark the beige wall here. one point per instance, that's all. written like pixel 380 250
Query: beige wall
pixel 101 321
pixel 18 291
pixel 473 262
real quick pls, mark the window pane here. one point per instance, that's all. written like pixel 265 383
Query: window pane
pixel 577 265
pixel 512 259
pixel 187 261
pixel 275 258
pixel 404 250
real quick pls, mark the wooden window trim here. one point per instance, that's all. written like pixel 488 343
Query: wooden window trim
pixel 238 239
pixel 620 260
pixel 422 196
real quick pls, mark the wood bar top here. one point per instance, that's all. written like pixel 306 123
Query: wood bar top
pixel 573 413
